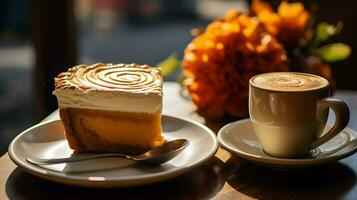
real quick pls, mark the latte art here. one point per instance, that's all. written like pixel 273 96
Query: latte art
pixel 289 81
pixel 121 77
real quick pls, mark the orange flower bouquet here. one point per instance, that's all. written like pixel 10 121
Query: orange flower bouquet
pixel 219 63
pixel 220 60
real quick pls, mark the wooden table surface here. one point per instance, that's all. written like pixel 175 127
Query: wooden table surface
pixel 222 177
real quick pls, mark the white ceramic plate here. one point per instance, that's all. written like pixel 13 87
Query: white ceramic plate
pixel 46 140
pixel 238 138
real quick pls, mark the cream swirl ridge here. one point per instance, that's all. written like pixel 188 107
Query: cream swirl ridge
pixel 113 77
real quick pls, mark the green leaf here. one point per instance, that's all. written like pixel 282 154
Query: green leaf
pixel 324 31
pixel 334 52
pixel 181 78
pixel 169 65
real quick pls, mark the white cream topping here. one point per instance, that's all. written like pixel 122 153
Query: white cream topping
pixel 126 88
pixel 111 101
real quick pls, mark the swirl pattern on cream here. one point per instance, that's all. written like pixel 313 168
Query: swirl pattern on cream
pixel 113 77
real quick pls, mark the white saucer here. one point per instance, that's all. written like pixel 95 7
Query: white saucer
pixel 46 140
pixel 238 138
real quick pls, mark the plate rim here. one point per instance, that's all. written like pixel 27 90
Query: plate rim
pixel 280 161
pixel 110 183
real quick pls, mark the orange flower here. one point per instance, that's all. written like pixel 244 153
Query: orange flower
pixel 294 18
pixel 260 6
pixel 287 25
pixel 219 63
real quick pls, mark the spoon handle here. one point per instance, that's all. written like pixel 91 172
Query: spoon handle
pixel 74 158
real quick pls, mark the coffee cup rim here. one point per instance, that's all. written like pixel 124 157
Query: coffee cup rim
pixel 251 83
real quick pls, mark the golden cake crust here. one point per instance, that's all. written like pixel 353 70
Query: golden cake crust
pixel 73 142
pixel 85 134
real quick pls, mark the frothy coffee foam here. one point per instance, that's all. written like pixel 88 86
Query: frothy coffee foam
pixel 286 81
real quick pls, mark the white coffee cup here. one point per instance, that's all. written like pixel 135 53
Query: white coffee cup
pixel 289 111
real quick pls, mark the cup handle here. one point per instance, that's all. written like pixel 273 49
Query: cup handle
pixel 342 116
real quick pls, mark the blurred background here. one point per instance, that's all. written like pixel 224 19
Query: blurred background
pixel 39 39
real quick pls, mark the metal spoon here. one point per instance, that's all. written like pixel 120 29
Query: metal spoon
pixel 155 156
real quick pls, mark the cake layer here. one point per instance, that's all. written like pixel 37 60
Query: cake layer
pixel 108 131
pixel 122 87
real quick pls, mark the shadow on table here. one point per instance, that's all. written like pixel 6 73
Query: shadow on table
pixel 324 182
pixel 201 183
